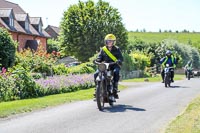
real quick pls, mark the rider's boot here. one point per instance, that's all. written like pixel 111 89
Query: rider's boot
pixel 112 98
pixel 115 91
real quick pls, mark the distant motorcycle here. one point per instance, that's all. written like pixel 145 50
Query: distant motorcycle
pixel 167 78
pixel 104 88
pixel 189 73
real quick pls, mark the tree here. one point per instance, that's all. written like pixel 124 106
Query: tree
pixel 195 57
pixel 52 45
pixel 85 25
pixel 7 49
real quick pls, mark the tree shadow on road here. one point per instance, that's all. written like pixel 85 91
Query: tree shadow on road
pixel 121 108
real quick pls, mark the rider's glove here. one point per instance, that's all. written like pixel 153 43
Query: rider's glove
pixel 119 62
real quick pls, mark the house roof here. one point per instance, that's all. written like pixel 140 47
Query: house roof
pixel 3 23
pixel 6 8
pixel 56 29
pixel 36 20
pixel 5 12
pixel 44 33
pixel 15 7
pixel 21 17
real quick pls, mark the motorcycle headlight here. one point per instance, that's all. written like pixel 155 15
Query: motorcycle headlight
pixel 102 67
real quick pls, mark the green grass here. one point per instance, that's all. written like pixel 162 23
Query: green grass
pixel 28 105
pixel 153 79
pixel 188 121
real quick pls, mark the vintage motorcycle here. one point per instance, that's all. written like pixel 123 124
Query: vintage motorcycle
pixel 104 87
pixel 189 73
pixel 167 78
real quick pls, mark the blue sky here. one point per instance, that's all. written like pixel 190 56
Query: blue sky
pixel 151 15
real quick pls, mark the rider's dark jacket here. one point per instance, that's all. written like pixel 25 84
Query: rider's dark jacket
pixel 104 57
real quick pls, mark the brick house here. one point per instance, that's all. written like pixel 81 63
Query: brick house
pixel 53 31
pixel 26 30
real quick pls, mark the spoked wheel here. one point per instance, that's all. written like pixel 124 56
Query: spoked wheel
pixel 100 96
pixel 167 82
pixel 188 75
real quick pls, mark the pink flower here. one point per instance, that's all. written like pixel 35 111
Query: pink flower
pixel 3 70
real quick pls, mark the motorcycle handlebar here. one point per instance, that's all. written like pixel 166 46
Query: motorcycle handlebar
pixel 169 67
pixel 111 63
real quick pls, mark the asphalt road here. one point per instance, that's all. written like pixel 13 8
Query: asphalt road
pixel 142 108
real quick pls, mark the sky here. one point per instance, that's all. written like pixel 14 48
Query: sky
pixel 150 15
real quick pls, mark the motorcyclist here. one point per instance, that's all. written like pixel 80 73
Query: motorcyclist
pixel 106 55
pixel 188 66
pixel 168 59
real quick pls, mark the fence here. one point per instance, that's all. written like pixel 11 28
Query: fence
pixel 156 69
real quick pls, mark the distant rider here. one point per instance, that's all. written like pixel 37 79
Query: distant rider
pixel 188 66
pixel 168 59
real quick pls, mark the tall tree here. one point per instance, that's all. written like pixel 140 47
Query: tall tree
pixel 85 25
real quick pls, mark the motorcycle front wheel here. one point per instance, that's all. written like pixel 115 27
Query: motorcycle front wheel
pixel 167 81
pixel 188 75
pixel 100 95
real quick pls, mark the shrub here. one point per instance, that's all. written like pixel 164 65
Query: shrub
pixel 39 61
pixel 25 84
pixel 7 49
pixel 60 69
pixel 81 69
pixel 7 88
pixel 141 60
pixel 182 51
pixel 52 45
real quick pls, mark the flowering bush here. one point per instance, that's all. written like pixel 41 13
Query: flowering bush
pixel 7 87
pixel 38 61
pixel 19 84
pixel 61 84
pixel 24 83
pixel 141 61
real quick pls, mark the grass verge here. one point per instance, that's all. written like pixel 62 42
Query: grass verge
pixel 28 105
pixel 188 121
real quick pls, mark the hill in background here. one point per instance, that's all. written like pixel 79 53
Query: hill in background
pixel 186 38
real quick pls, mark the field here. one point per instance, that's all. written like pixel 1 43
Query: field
pixel 186 38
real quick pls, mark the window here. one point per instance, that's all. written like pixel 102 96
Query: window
pixel 11 21
pixel 40 28
pixel 26 25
